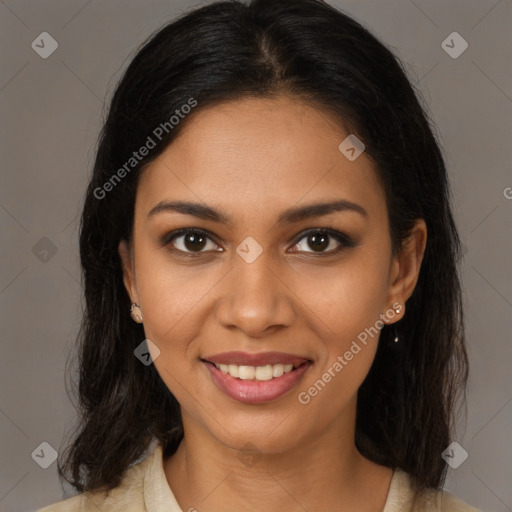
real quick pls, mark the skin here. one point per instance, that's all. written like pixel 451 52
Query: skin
pixel 234 157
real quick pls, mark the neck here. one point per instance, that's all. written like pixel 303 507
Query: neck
pixel 323 471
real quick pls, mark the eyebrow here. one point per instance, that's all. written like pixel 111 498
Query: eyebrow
pixel 295 214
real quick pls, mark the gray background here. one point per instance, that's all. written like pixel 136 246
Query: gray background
pixel 51 116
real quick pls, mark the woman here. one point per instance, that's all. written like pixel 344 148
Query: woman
pixel 273 309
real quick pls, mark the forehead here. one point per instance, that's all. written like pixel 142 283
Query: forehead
pixel 280 151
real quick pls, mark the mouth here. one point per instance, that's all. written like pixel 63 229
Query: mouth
pixel 260 373
pixel 256 378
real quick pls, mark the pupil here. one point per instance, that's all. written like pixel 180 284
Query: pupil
pixel 192 239
pixel 320 241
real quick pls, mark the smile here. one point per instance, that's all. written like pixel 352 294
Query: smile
pixel 267 372
pixel 256 383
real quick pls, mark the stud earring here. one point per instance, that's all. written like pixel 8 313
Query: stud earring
pixel 136 313
pixel 397 309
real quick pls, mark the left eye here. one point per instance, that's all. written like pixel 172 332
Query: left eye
pixel 322 240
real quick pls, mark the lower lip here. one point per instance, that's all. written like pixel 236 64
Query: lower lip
pixel 256 391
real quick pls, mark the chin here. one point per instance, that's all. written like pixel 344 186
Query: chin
pixel 269 437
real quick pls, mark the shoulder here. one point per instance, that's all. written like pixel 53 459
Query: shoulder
pixel 128 496
pixel 401 497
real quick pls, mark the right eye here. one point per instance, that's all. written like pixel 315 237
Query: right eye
pixel 189 241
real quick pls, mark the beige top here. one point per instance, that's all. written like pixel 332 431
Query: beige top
pixel 145 489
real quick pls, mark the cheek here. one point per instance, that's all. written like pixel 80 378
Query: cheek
pixel 347 354
pixel 343 301
pixel 171 297
pixel 347 319
pixel 169 302
pixel 168 310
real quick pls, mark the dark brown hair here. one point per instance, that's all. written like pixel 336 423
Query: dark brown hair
pixel 313 52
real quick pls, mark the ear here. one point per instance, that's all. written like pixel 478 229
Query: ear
pixel 405 268
pixel 126 255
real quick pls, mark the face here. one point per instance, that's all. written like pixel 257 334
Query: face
pixel 251 283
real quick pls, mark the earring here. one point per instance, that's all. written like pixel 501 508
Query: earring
pixel 398 308
pixel 136 313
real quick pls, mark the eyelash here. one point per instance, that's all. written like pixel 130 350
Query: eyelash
pixel 344 240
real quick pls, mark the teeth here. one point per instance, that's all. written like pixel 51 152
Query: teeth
pixel 277 370
pixel 246 372
pixel 263 372
pixel 266 372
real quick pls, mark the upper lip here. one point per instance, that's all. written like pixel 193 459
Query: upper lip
pixel 259 359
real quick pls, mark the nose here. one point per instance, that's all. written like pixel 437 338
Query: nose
pixel 255 298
